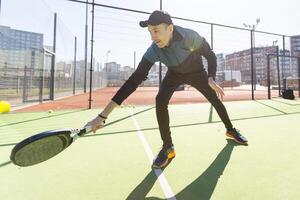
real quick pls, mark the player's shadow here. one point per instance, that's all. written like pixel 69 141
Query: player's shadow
pixel 201 188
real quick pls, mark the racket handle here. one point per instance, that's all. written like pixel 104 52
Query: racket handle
pixel 88 129
pixel 82 132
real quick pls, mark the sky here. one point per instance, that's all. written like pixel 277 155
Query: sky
pixel 118 36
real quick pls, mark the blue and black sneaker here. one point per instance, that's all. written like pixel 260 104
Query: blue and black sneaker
pixel 164 157
pixel 236 136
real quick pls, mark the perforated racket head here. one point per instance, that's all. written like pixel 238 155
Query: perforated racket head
pixel 40 147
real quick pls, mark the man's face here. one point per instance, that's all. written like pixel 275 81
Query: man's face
pixel 161 34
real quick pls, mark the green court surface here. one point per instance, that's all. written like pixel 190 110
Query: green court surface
pixel 114 163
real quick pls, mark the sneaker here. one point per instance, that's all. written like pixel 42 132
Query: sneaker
pixel 236 136
pixel 164 157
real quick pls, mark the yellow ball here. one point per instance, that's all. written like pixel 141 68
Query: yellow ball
pixel 4 107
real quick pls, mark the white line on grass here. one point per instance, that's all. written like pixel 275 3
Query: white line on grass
pixel 158 172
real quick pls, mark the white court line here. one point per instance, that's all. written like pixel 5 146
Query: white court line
pixel 158 172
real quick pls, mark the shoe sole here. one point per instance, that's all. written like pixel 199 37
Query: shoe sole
pixel 171 156
pixel 233 138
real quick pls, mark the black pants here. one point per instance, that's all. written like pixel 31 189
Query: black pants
pixel 171 81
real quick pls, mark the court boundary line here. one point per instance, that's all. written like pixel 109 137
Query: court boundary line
pixel 286 103
pixel 272 107
pixel 5 163
pixel 158 172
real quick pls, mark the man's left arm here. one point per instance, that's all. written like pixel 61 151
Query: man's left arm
pixel 211 58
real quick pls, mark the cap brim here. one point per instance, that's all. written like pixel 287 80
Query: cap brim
pixel 144 24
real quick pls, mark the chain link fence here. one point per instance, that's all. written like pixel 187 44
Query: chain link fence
pixel 48 61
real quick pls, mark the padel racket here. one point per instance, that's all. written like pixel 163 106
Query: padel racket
pixel 45 145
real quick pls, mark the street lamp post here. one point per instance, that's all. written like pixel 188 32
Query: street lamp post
pixel 106 60
pixel 253 27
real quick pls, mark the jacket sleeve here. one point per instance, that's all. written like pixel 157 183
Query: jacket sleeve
pixel 133 81
pixel 211 58
pixel 195 42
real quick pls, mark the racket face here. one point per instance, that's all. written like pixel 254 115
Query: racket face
pixel 40 147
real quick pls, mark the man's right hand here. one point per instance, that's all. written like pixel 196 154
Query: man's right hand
pixel 99 121
pixel 96 123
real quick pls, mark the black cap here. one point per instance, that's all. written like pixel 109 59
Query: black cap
pixel 156 18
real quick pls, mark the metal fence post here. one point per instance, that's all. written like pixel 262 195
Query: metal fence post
pixel 278 70
pixel 298 61
pixel 212 36
pixel 252 66
pixel 52 76
pixel 92 47
pixel 160 66
pixel 85 47
pixel 74 70
pixel 268 77
pixel 41 85
pixel 24 84
pixel 283 58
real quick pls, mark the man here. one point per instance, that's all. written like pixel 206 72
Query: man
pixel 181 50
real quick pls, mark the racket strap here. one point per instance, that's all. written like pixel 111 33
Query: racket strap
pixel 101 116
